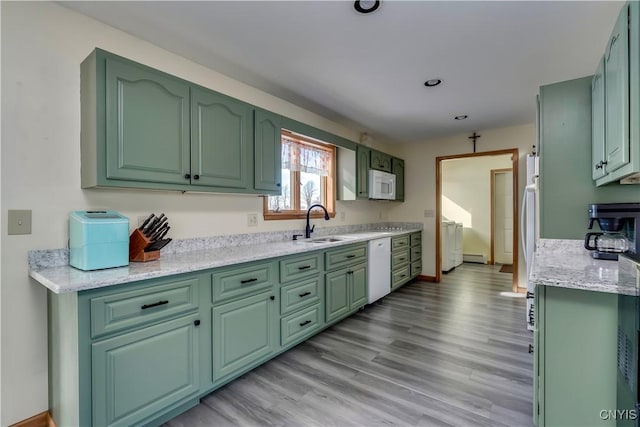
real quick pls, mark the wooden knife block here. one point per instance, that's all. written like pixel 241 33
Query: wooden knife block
pixel 137 242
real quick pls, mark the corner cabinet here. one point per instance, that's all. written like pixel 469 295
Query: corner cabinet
pixel 142 128
pixel 616 103
pixel 397 168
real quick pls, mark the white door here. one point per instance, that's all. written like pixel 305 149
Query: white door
pixel 503 218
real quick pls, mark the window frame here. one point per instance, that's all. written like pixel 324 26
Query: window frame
pixel 327 185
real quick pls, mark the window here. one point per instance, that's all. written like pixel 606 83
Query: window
pixel 308 171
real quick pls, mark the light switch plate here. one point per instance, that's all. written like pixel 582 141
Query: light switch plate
pixel 19 221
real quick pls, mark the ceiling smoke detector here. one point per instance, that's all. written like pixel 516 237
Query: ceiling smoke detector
pixel 366 6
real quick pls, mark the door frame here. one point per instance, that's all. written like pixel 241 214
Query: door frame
pixel 492 255
pixel 514 166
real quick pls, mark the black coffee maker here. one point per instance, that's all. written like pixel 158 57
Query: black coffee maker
pixel 620 225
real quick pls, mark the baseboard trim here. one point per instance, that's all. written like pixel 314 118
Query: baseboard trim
pixel 431 279
pixel 41 420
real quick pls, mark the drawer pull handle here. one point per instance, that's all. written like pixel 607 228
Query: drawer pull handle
pixel 530 295
pixel 530 348
pixel 304 267
pixel 155 304
pixel 404 275
pixel 248 280
pixel 402 259
pixel 304 294
pixel 351 256
pixel 306 322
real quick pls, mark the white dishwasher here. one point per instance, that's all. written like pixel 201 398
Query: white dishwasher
pixel 379 268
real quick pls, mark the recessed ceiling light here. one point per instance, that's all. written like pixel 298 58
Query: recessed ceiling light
pixel 432 82
pixel 366 6
pixel 462 117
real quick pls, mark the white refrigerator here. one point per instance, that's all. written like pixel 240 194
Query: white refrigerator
pixel 529 229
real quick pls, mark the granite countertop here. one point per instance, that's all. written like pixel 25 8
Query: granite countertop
pixel 64 278
pixel 567 264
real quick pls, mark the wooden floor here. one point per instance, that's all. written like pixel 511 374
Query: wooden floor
pixel 448 354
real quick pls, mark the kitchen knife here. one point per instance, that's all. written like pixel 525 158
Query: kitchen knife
pixel 157 228
pixel 156 246
pixel 146 221
pixel 164 233
pixel 154 224
pixel 159 231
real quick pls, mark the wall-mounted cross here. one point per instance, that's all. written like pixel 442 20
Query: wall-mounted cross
pixel 474 137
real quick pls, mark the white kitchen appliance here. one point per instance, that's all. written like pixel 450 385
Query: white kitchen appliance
pixel 448 245
pixel 529 226
pixel 382 185
pixel 379 268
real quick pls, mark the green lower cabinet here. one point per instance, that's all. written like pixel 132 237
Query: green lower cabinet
pixel 244 331
pixel 300 324
pixel 139 374
pixel 346 291
pixel 575 357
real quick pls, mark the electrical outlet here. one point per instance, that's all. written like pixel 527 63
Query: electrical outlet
pixel 252 220
pixel 19 221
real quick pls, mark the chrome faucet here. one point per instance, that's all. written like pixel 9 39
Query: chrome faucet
pixel 308 230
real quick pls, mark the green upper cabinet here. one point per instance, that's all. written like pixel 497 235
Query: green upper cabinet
pixel 267 151
pixel 616 75
pixel 397 168
pixel 598 154
pixel 362 171
pixel 147 124
pixel 221 137
pixel 380 161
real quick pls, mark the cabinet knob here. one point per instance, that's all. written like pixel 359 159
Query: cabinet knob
pixel 272 297
pixel 187 176
pixel 196 322
pixel 278 185
pixel 196 176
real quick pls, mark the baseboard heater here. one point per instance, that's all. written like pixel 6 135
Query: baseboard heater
pixel 477 258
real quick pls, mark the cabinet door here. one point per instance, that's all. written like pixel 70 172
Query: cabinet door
pixel 358 284
pixel 598 153
pixel 138 374
pixel 147 124
pixel 380 161
pixel 616 75
pixel 397 168
pixel 337 294
pixel 220 140
pixel 267 152
pixel 362 172
pixel 244 331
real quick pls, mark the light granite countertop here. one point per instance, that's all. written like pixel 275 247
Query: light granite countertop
pixel 567 264
pixel 64 278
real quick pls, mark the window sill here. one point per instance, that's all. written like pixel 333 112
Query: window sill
pixel 271 216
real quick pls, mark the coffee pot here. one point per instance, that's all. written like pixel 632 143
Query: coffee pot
pixel 620 230
pixel 606 242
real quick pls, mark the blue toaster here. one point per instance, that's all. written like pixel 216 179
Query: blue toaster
pixel 98 239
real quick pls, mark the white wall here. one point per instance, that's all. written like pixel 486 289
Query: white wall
pixel 466 198
pixel 420 178
pixel 43 45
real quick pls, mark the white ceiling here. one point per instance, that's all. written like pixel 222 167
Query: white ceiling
pixel 368 71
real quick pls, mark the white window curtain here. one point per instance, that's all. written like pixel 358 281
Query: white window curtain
pixel 305 158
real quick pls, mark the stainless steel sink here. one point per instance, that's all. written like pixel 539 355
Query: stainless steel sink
pixel 324 240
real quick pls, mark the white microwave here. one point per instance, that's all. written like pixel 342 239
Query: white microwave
pixel 382 185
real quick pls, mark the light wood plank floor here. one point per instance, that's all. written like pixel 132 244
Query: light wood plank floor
pixel 448 354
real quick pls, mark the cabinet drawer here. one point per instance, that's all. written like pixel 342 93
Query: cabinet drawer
pixel 345 256
pixel 416 268
pixel 416 239
pixel 300 324
pixel 400 277
pixel 243 281
pixel 399 259
pixel 416 253
pixel 300 266
pixel 299 295
pixel 399 242
pixel 124 310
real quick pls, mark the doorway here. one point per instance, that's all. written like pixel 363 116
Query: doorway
pixel 469 215
pixel 501 217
